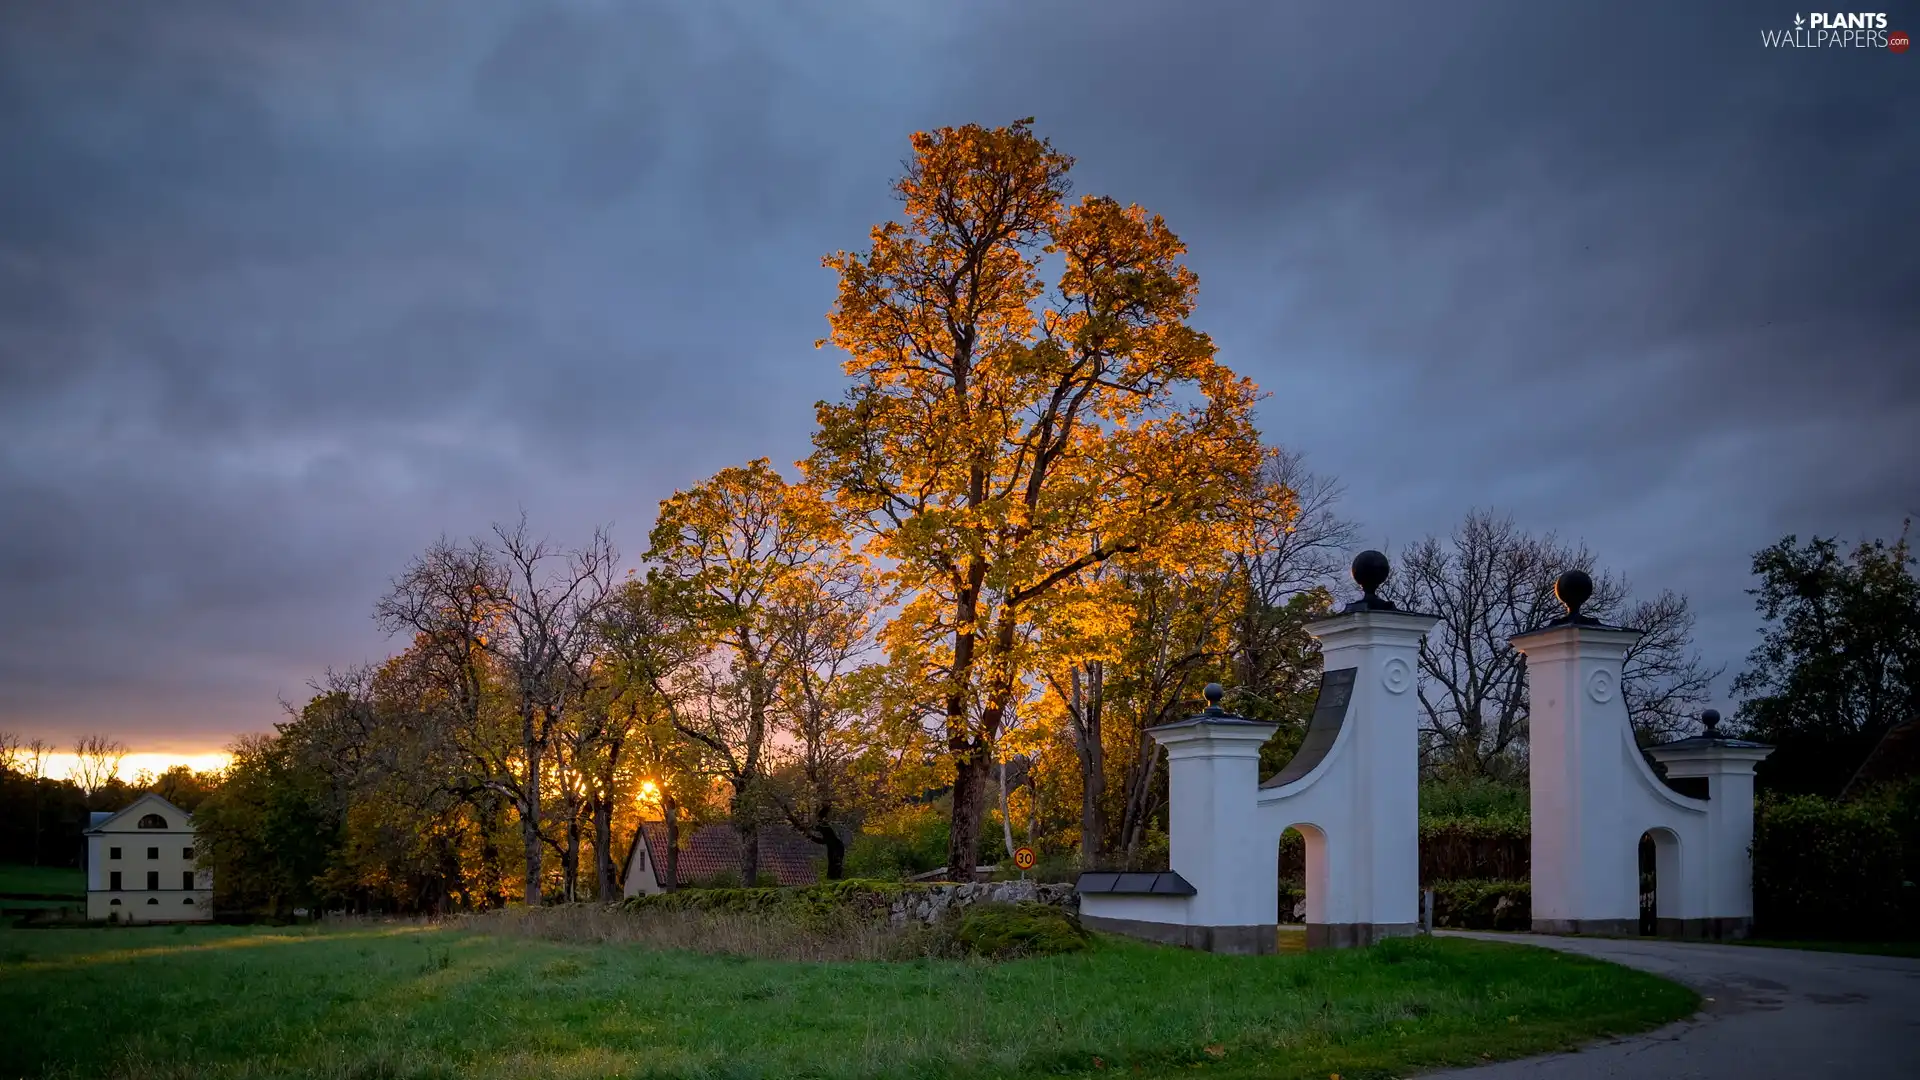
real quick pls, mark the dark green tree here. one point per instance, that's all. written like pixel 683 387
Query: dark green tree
pixel 268 833
pixel 1840 660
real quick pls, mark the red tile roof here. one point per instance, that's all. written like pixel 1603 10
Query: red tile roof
pixel 1896 757
pixel 786 857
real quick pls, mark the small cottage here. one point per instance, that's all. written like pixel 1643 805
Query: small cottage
pixel 141 866
pixel 711 852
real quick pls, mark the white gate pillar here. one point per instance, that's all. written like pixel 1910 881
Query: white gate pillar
pixel 1726 866
pixel 1593 795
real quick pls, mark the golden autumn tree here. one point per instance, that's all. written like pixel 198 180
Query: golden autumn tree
pixel 736 554
pixel 1003 435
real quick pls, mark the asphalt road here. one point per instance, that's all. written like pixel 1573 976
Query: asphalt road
pixel 1769 1013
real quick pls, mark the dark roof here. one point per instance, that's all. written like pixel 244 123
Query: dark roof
pixel 786 857
pixel 1895 757
pixel 1329 713
pixel 1697 741
pixel 1164 883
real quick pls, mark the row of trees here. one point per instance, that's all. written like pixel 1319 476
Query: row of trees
pixel 1037 522
pixel 42 817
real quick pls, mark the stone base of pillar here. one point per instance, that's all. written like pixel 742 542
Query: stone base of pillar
pixel 1592 927
pixel 1732 928
pixel 1723 929
pixel 1355 935
pixel 1234 940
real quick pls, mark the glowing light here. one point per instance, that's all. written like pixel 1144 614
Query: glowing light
pixel 648 797
pixel 62 765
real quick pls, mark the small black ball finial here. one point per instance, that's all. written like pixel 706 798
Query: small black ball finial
pixel 1370 571
pixel 1573 589
pixel 1214 692
pixel 1710 720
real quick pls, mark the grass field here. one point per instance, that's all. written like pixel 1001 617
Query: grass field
pixel 1909 949
pixel 408 1001
pixel 52 880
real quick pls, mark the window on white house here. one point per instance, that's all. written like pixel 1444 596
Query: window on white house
pixel 188 900
pixel 113 853
pixel 153 853
pixel 115 902
pixel 186 853
pixel 153 900
pixel 153 880
pixel 153 821
pixel 113 882
pixel 186 880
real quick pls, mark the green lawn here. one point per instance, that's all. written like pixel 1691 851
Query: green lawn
pixel 403 1001
pixel 56 880
pixel 1909 949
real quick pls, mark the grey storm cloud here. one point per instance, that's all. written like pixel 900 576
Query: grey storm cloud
pixel 288 290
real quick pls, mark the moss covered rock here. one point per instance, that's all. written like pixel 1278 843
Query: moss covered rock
pixel 1005 931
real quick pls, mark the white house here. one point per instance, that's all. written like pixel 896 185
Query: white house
pixel 140 866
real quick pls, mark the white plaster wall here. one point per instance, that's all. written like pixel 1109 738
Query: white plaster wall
pixel 1593 794
pixel 1364 796
pixel 1359 808
pixel 1216 840
pixel 1156 909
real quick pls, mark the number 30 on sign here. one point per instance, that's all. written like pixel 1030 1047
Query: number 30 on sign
pixel 1024 858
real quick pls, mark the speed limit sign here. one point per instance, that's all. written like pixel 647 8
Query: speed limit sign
pixel 1024 858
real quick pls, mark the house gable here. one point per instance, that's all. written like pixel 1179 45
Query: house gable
pixel 128 818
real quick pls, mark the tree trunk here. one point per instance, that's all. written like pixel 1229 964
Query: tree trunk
pixel 607 887
pixel 969 806
pixel 1006 812
pixel 530 843
pixel 749 853
pixel 673 842
pixel 1093 768
pixel 836 852
pixel 570 861
pixel 492 886
pixel 530 810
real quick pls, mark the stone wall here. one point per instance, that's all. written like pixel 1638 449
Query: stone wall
pixel 929 904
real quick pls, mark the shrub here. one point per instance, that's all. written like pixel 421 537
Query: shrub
pixel 1479 798
pixel 1828 869
pixel 1005 931
pixel 832 901
pixel 1293 892
pixel 912 839
pixel 1474 848
pixel 1479 904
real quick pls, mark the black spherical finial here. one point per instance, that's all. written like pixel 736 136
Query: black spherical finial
pixel 1710 720
pixel 1214 692
pixel 1574 588
pixel 1370 570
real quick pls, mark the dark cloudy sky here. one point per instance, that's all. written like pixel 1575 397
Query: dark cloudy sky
pixel 289 289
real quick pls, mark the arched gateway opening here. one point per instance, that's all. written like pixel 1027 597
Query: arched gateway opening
pixel 1302 881
pixel 1659 862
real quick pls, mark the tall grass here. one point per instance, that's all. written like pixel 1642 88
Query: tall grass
pixel 758 935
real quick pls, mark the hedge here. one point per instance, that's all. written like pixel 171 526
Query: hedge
pixel 1483 905
pixel 1828 869
pixel 863 899
pixel 1452 848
